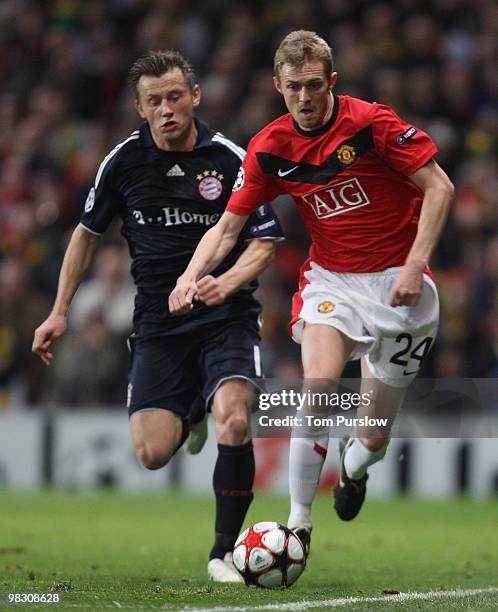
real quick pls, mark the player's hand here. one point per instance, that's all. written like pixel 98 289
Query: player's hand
pixel 181 298
pixel 407 288
pixel 45 336
pixel 210 291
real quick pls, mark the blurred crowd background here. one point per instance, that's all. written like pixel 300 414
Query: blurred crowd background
pixel 64 102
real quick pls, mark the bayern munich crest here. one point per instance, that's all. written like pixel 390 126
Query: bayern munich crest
pixel 210 186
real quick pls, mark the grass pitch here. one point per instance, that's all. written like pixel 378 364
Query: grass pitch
pixel 148 552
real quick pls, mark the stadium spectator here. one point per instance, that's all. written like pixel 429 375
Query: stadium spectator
pixel 89 365
pixel 110 291
pixel 20 304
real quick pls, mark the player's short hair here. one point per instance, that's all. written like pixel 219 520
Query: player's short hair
pixel 300 47
pixel 157 63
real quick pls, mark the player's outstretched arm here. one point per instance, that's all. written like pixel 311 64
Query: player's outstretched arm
pixel 438 193
pixel 79 254
pixel 257 256
pixel 211 250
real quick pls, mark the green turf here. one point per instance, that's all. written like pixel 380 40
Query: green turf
pixel 104 550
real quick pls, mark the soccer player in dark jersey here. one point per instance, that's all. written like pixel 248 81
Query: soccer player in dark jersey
pixel 169 181
pixel 375 201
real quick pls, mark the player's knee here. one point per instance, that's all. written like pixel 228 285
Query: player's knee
pixel 375 445
pixel 316 373
pixel 319 375
pixel 151 457
pixel 316 387
pixel 234 430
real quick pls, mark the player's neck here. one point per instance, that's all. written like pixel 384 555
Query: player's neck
pixel 185 143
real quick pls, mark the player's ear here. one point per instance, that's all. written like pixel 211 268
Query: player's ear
pixel 332 80
pixel 196 95
pixel 278 84
pixel 139 108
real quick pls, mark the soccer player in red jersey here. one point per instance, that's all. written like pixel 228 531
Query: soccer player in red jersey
pixel 375 201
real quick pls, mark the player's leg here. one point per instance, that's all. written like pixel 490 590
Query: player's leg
pixel 403 338
pixel 233 475
pixel 156 435
pixel 325 320
pixel 369 444
pixel 228 359
pixel 159 394
pixel 384 403
pixel 325 351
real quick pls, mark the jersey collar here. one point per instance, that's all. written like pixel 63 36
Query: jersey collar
pixel 204 135
pixel 146 136
pixel 324 128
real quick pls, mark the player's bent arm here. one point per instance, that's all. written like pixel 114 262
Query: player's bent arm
pixel 79 254
pixel 254 259
pixel 438 193
pixel 211 250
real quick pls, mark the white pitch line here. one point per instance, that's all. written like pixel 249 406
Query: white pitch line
pixel 346 601
pixel 301 605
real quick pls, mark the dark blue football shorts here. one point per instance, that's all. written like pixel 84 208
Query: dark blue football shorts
pixel 170 372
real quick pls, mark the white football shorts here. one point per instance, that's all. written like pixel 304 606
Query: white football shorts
pixel 394 341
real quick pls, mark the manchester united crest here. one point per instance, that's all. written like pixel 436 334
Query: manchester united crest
pixel 346 154
pixel 326 307
pixel 210 186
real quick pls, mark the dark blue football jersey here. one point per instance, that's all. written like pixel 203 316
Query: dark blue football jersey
pixel 167 201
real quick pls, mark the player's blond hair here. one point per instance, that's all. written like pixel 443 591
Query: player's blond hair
pixel 300 47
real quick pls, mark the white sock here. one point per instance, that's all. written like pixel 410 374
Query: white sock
pixel 306 459
pixel 358 458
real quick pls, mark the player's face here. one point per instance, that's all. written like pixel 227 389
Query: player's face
pixel 306 92
pixel 167 103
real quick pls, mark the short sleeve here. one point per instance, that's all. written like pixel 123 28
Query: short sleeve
pixel 404 147
pixel 102 203
pixel 263 224
pixel 252 187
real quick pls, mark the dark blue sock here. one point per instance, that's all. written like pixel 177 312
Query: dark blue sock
pixel 233 478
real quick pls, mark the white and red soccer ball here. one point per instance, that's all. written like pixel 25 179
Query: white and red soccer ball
pixel 269 555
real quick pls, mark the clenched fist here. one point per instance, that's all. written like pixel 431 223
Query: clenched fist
pixel 210 291
pixel 181 298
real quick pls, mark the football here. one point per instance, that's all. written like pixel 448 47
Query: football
pixel 269 555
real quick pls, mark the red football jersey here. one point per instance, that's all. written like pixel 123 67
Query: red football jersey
pixel 349 180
